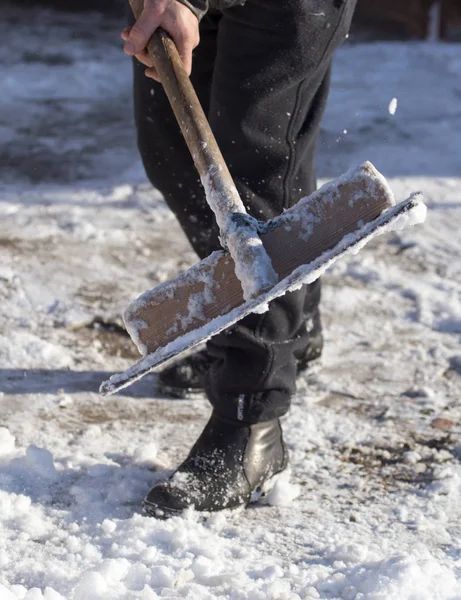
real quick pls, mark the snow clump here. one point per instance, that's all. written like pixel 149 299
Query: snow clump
pixel 393 106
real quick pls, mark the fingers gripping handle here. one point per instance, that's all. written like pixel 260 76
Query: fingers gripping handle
pixel 253 266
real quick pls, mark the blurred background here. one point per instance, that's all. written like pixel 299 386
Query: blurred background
pixel 376 19
pixel 65 111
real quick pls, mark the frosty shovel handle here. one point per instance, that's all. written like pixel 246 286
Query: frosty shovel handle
pixel 252 264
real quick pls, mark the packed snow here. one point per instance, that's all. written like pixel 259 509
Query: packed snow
pixel 372 508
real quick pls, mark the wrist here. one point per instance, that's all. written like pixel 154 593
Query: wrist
pixel 198 7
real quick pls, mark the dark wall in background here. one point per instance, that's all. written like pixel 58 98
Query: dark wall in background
pixel 394 18
pixel 378 19
pixel 408 18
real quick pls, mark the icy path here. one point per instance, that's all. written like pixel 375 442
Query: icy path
pixel 373 510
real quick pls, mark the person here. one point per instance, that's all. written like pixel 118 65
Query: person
pixel 261 70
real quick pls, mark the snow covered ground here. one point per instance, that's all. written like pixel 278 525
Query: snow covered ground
pixel 373 510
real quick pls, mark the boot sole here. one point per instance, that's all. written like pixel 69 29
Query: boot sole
pixel 153 510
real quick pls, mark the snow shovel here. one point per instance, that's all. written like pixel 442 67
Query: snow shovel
pixel 259 261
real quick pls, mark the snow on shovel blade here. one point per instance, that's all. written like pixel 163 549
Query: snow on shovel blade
pixel 302 243
pixel 211 289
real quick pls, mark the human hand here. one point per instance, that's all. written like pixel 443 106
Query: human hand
pixel 175 18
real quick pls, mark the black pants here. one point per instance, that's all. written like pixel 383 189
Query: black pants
pixel 261 72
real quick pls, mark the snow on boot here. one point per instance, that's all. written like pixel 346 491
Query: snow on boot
pixel 231 464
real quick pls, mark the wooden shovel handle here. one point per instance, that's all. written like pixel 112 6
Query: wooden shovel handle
pixel 186 106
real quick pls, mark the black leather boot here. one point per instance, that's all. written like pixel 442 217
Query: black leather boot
pixel 230 465
pixel 188 374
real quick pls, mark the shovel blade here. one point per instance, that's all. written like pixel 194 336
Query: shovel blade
pixel 301 243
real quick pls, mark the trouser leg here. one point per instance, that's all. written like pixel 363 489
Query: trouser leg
pixel 269 91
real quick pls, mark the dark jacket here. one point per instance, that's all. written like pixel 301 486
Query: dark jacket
pixel 200 7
